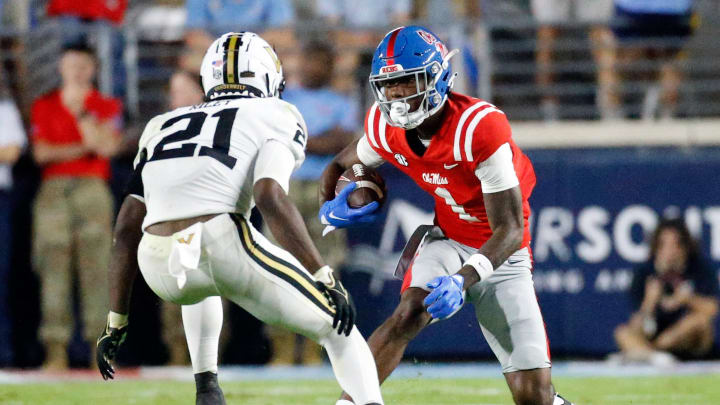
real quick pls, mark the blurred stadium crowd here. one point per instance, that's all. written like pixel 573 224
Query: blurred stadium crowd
pixel 540 60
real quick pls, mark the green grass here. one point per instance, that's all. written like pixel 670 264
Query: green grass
pixel 676 390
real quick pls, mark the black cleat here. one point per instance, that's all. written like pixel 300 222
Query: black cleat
pixel 208 391
pixel 559 400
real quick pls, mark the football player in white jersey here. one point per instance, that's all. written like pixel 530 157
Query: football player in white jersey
pixel 202 169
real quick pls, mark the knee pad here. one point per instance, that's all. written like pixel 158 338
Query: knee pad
pixel 529 356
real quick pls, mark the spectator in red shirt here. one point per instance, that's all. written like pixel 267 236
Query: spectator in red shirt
pixel 110 10
pixel 75 130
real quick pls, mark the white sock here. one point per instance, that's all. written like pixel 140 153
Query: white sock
pixel 354 367
pixel 203 322
pixel 343 402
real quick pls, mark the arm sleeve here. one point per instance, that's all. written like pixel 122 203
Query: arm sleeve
pixel 275 161
pixel 497 172
pixel 367 154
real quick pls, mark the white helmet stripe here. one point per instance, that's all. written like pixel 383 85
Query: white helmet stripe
pixel 461 123
pixel 241 64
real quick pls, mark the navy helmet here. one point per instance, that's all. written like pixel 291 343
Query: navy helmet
pixel 406 52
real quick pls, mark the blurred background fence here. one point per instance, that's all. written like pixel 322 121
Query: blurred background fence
pixel 497 62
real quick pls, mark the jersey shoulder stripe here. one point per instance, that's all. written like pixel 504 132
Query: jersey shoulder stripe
pixel 370 125
pixel 382 125
pixel 471 129
pixel 461 123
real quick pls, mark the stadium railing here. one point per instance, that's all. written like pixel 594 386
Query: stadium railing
pixel 497 63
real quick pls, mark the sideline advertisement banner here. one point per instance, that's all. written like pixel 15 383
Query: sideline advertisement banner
pixel 593 210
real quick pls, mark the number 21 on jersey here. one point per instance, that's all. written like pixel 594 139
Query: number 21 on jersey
pixel 196 120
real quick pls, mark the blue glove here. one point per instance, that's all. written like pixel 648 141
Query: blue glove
pixel 338 214
pixel 446 296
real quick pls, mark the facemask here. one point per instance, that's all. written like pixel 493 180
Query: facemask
pixel 400 115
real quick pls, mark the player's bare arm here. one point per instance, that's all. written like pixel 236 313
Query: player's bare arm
pixel 505 214
pixel 342 161
pixel 286 223
pixel 288 228
pixel 123 267
pixel 123 270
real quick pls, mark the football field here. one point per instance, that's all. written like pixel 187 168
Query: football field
pixel 684 388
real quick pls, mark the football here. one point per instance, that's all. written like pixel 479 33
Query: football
pixel 370 186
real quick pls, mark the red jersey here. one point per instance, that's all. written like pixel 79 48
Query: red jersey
pixel 472 130
pixel 54 124
pixel 112 10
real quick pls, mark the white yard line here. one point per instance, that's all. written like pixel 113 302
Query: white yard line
pixel 424 370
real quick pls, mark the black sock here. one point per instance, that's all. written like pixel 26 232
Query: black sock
pixel 206 382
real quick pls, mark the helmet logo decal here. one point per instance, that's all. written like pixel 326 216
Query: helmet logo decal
pixel 274 58
pixel 427 37
pixel 432 40
pixel 391 69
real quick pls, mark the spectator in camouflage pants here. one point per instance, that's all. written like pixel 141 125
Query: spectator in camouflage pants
pixel 75 130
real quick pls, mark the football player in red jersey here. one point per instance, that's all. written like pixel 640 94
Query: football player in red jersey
pixel 460 150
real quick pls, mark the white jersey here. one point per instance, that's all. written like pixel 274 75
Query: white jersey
pixel 201 159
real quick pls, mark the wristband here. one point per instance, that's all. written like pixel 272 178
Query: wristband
pixel 481 264
pixel 116 320
pixel 325 275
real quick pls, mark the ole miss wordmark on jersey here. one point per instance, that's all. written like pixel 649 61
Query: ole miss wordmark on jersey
pixel 472 130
